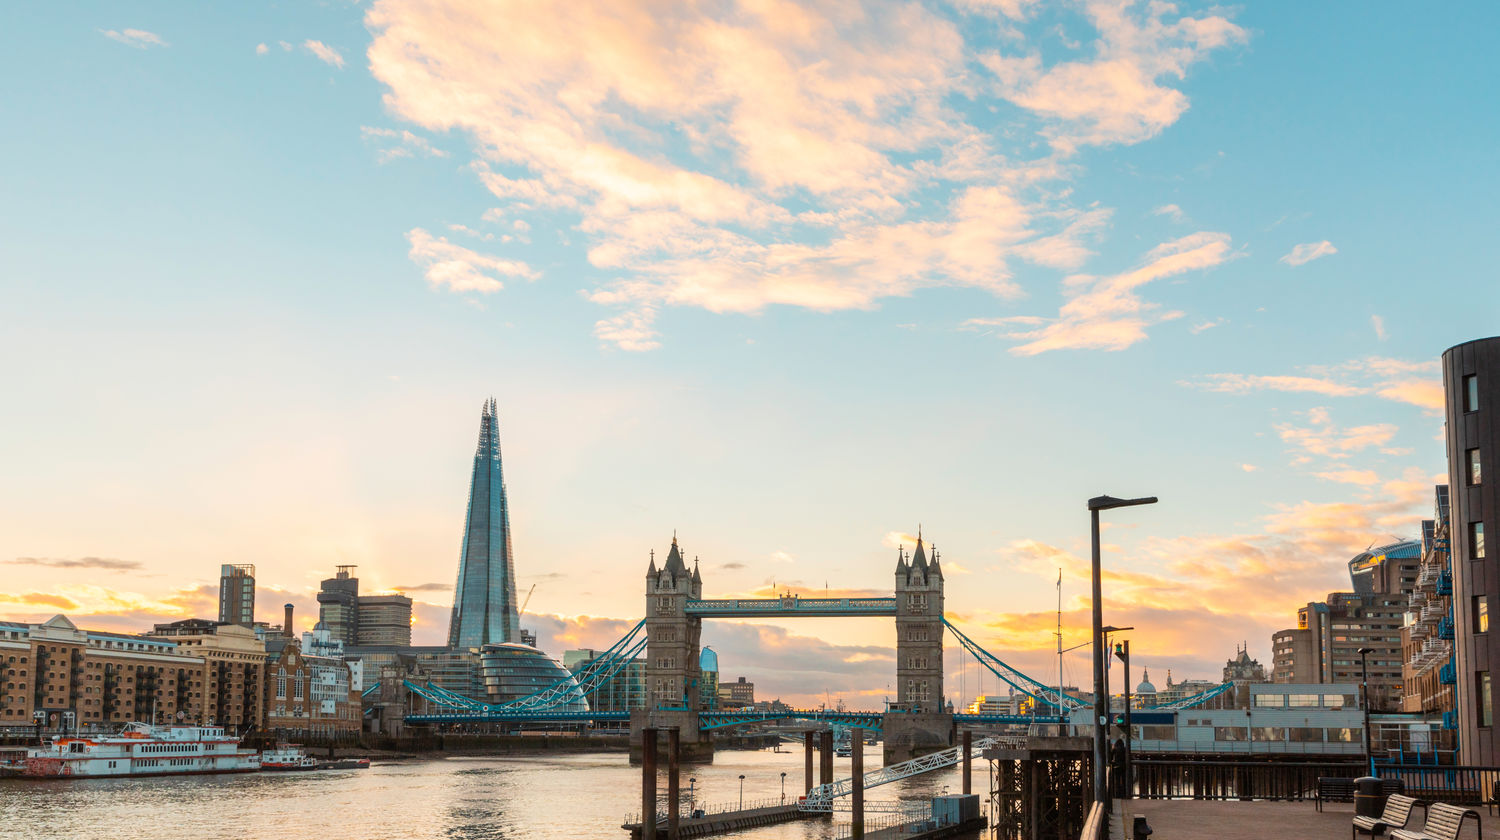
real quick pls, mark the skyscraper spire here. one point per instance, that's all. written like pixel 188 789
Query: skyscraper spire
pixel 484 600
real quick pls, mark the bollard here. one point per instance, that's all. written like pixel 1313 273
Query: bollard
pixel 807 754
pixel 857 773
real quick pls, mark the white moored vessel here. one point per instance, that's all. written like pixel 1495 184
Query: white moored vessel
pixel 141 750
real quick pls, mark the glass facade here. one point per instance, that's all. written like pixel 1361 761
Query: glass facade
pixel 484 599
pixel 512 671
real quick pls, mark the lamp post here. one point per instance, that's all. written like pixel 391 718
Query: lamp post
pixel 783 788
pixel 1122 650
pixel 1101 702
pixel 692 795
pixel 1364 676
pixel 742 791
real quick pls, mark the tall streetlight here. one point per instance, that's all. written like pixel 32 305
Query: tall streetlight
pixel 1364 676
pixel 1101 702
pixel 783 788
pixel 742 791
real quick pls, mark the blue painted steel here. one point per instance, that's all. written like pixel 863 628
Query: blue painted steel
pixel 1447 675
pixel 1445 583
pixel 1015 679
pixel 1191 700
pixel 1445 627
pixel 1017 720
pixel 374 687
pixel 1450 719
pixel 791 607
pixel 517 717
pixel 722 720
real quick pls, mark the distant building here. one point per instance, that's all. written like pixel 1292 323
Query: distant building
pixel 1145 692
pixel 384 620
pixel 513 671
pixel 622 692
pixel 338 606
pixel 737 694
pixel 484 601
pixel 234 668
pixel 308 695
pixel 708 682
pixel 1428 632
pixel 1243 672
pixel 237 595
pixel 989 704
pixel 1471 384
pixel 1174 692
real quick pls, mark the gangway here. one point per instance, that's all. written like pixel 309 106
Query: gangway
pixel 822 797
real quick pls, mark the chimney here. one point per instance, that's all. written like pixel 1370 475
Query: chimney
pixel 286 626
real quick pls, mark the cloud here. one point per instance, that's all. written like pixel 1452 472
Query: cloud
pixel 261 49
pixel 459 269
pixel 1114 97
pixel 423 587
pixel 326 54
pixel 108 564
pixel 1205 326
pixel 1328 440
pixel 138 38
pixel 406 144
pixel 39 599
pixel 734 158
pixel 1414 383
pixel 1379 324
pixel 1249 467
pixel 1171 211
pixel 729 566
pixel 1309 251
pixel 1105 313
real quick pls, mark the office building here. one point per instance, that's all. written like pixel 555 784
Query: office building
pixel 384 620
pixel 623 691
pixel 338 606
pixel 484 600
pixel 1427 634
pixel 1471 383
pixel 234 668
pixel 708 680
pixel 737 694
pixel 237 595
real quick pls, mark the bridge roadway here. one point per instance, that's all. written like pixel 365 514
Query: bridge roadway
pixel 872 721
pixel 791 606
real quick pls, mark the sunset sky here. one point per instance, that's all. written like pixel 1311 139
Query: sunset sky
pixel 788 279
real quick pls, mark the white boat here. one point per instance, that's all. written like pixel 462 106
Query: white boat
pixel 141 750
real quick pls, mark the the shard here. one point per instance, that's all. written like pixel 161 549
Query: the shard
pixel 484 600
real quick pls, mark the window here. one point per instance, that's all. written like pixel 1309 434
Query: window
pixel 1268 733
pixel 1481 614
pixel 1303 701
pixel 1230 733
pixel 1486 709
pixel 1305 734
pixel 1344 736
pixel 281 685
pixel 1471 393
pixel 1476 540
pixel 1157 733
pixel 1472 457
pixel 1270 701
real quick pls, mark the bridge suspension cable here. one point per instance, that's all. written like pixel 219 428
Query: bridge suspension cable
pixel 1015 679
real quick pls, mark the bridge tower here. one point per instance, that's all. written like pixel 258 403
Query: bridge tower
pixel 920 722
pixel 672 651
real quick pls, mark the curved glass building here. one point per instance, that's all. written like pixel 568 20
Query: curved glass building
pixel 512 671
pixel 1366 565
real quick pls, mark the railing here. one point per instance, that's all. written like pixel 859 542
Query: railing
pixel 792 605
pixel 1447 675
pixel 1459 784
pixel 714 809
pixel 1276 780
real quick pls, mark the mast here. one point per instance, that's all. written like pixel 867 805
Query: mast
pixel 1058 698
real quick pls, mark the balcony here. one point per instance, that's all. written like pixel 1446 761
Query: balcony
pixel 1447 675
pixel 1445 583
pixel 1450 720
pixel 1445 627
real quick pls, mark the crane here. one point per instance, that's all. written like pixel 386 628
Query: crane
pixel 527 601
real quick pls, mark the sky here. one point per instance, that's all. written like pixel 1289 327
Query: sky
pixel 789 280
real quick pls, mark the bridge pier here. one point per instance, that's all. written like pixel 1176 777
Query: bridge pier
pixel 825 764
pixel 911 735
pixel 696 745
pixel 807 755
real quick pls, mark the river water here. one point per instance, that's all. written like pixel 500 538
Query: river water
pixel 463 798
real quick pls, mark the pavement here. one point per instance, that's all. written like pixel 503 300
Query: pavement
pixel 1180 819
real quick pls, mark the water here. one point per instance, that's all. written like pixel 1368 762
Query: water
pixel 464 798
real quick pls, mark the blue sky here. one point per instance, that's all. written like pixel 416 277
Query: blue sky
pixel 789 279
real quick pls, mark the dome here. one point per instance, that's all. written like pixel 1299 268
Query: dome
pixel 511 671
pixel 1145 687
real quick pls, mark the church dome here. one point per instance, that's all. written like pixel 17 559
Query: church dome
pixel 1145 687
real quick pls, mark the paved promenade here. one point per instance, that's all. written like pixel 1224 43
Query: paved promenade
pixel 1180 819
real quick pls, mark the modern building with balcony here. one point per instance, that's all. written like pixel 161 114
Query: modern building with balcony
pixel 1427 633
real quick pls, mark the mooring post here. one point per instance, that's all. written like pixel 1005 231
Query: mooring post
pixel 674 750
pixel 648 783
pixel 807 752
pixel 825 765
pixel 857 772
pixel 968 762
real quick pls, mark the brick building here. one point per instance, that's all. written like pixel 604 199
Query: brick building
pixel 234 668
pixel 308 695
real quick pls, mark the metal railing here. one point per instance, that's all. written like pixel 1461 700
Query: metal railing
pixel 711 809
pixel 1275 780
pixel 1459 784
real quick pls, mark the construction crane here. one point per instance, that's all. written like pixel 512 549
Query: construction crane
pixel 527 601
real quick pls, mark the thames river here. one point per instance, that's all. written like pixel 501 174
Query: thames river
pixel 564 796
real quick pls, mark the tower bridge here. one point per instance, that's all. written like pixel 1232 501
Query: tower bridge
pixel 669 636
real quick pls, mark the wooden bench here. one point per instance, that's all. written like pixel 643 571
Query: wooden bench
pixel 1333 789
pixel 1443 823
pixel 1397 813
pixel 1093 827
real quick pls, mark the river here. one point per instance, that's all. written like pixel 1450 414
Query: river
pixel 464 798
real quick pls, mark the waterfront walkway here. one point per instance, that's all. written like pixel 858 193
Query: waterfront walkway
pixel 1180 819
pixel 727 821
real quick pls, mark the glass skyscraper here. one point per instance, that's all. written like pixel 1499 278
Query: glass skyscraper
pixel 484 601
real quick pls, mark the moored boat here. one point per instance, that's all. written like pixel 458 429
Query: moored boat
pixel 287 757
pixel 141 750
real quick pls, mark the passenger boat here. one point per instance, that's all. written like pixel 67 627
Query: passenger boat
pixel 141 750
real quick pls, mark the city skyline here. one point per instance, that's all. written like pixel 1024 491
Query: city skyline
pixel 786 282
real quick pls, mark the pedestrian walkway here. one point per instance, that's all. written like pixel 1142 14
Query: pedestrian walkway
pixel 1178 819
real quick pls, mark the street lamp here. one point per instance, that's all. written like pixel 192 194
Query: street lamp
pixel 692 798
pixel 783 788
pixel 742 791
pixel 1101 702
pixel 1364 675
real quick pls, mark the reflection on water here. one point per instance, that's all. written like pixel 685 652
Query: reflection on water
pixel 478 798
